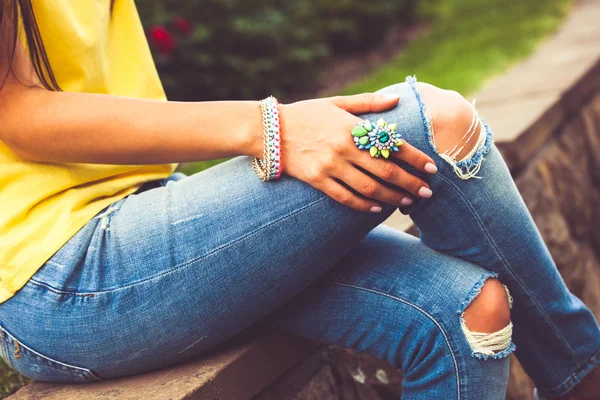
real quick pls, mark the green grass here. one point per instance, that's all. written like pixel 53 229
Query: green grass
pixel 192 168
pixel 469 42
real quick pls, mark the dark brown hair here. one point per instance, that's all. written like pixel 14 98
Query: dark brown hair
pixel 10 10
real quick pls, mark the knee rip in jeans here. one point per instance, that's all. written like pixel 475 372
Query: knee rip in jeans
pixel 478 135
pixel 493 345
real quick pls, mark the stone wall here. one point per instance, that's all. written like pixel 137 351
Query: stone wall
pixel 561 187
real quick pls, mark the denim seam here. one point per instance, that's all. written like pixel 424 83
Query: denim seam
pixel 574 378
pixel 58 291
pixel 416 308
pixel 184 264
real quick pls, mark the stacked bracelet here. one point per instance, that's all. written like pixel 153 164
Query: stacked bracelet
pixel 270 166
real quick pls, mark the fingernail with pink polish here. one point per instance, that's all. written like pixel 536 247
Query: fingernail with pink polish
pixel 375 209
pixel 425 192
pixel 431 168
pixel 407 201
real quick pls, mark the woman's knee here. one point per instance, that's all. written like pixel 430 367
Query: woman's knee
pixel 490 310
pixel 455 125
pixel 486 320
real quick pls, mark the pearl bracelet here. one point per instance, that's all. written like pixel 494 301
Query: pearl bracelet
pixel 269 167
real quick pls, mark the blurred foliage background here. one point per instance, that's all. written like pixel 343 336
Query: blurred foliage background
pixel 236 49
pixel 239 49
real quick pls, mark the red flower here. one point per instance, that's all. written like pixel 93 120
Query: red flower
pixel 183 26
pixel 162 39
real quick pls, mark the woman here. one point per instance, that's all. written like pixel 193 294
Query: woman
pixel 113 265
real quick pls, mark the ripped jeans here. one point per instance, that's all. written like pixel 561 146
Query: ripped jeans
pixel 185 263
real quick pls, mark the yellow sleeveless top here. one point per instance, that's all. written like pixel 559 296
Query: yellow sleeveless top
pixel 42 205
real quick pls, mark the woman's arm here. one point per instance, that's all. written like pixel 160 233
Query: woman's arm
pixel 45 126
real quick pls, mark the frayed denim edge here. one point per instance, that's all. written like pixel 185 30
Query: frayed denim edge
pixel 496 356
pixel 411 80
pixel 465 166
pixel 475 290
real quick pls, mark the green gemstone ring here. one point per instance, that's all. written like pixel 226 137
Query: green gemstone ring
pixel 380 138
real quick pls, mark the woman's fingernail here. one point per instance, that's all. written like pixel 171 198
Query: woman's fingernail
pixel 391 96
pixel 375 209
pixel 425 192
pixel 431 168
pixel 407 201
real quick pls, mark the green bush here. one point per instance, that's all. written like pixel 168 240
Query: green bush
pixel 240 49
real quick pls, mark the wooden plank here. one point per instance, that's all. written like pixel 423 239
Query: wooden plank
pixel 235 372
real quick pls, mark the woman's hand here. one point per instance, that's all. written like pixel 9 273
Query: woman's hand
pixel 317 148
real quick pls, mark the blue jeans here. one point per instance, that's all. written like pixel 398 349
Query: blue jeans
pixel 184 264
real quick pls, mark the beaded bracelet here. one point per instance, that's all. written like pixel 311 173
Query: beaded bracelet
pixel 270 166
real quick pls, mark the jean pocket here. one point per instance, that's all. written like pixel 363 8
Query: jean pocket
pixel 37 366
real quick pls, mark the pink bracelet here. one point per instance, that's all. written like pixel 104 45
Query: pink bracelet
pixel 269 167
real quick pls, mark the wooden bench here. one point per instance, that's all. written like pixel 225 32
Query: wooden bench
pixel 255 365
pixel 237 371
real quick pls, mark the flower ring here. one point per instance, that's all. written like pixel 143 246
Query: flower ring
pixel 379 139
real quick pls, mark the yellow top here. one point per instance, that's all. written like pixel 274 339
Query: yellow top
pixel 42 205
